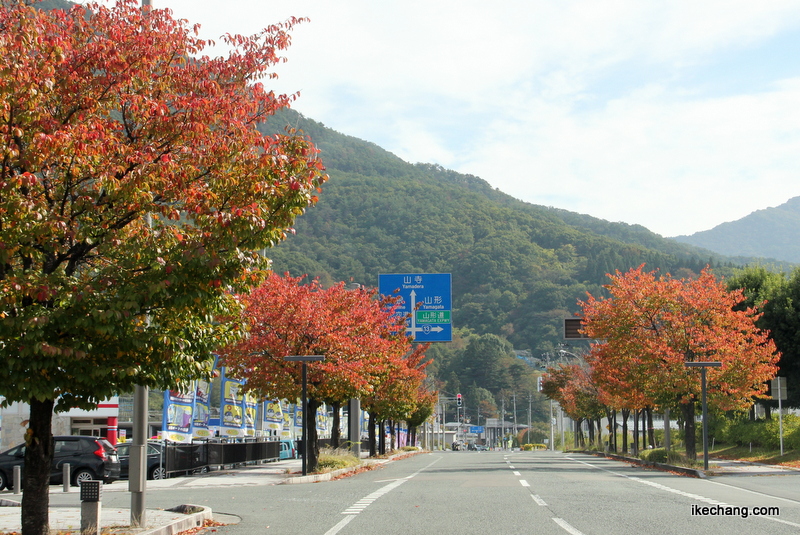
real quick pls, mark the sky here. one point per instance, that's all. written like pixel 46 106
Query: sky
pixel 675 115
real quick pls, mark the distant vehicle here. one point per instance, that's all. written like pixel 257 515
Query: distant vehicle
pixel 288 450
pixel 90 458
pixel 155 460
pixel 481 447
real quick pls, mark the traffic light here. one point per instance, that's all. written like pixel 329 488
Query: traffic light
pixel 458 399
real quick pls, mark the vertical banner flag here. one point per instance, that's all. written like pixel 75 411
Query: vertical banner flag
pixel 202 398
pixel 231 415
pixel 177 416
pixel 288 412
pixel 250 413
pixel 273 416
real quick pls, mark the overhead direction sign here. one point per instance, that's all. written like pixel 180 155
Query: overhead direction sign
pixel 427 299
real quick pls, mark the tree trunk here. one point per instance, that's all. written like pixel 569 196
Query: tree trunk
pixel 373 451
pixel 625 414
pixel 651 433
pixel 312 463
pixel 382 437
pixel 36 473
pixel 644 428
pixel 635 450
pixel 392 435
pixel 335 432
pixel 689 430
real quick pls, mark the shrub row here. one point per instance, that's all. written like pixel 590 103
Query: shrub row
pixel 759 433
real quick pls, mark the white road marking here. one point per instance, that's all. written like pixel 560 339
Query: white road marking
pixel 524 483
pixel 338 527
pixel 538 500
pixel 569 529
pixel 686 494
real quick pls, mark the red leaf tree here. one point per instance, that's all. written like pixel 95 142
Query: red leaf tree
pixel 135 192
pixel 360 339
pixel 651 325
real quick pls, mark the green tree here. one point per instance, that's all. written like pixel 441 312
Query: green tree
pixel 778 299
pixel 135 194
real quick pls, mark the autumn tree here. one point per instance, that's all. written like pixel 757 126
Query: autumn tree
pixel 135 192
pixel 655 324
pixel 398 391
pixel 354 330
pixel 573 388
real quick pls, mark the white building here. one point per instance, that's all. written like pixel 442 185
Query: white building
pixel 101 422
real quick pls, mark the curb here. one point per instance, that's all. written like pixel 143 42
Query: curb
pixel 196 515
pixel 316 478
pixel 691 472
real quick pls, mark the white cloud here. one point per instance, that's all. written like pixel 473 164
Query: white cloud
pixel 620 109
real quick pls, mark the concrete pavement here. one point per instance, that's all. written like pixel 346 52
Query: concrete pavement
pixel 161 522
pixel 158 522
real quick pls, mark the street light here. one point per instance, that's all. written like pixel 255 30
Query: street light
pixel 304 359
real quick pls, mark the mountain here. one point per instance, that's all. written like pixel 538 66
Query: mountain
pixel 769 233
pixel 518 269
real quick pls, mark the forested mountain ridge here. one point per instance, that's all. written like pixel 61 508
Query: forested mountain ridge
pixel 518 269
pixel 769 233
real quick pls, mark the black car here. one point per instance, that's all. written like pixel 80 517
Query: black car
pixel 90 458
pixel 155 460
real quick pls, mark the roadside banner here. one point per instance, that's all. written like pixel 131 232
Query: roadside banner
pixel 177 415
pixel 232 410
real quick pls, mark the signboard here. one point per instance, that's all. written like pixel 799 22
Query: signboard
pixel 572 328
pixel 477 429
pixel 427 299
pixel 779 388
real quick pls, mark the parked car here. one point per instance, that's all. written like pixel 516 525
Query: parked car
pixel 288 449
pixel 156 461
pixel 90 458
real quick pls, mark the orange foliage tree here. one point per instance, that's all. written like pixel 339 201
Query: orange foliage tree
pixel 651 325
pixel 135 192
pixel 361 341
pixel 399 390
pixel 573 388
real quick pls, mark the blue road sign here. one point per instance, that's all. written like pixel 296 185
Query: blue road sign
pixel 427 299
pixel 477 429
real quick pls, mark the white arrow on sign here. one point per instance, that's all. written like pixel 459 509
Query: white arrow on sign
pixel 425 328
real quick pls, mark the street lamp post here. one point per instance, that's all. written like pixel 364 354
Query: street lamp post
pixel 703 366
pixel 305 359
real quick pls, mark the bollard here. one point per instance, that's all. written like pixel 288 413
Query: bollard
pixel 17 479
pixel 91 493
pixel 65 474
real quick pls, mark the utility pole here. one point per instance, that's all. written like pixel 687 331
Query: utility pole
pixel 528 439
pixel 515 419
pixel 503 424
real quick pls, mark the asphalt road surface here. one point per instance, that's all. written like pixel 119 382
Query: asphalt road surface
pixel 501 492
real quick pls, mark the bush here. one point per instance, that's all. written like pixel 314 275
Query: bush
pixel 660 455
pixel 330 460
pixel 762 433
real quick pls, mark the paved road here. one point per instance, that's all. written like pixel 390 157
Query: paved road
pixel 496 492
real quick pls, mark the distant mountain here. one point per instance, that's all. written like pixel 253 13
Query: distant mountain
pixel 518 269
pixel 772 233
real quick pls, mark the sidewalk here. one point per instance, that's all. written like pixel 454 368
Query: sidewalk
pixel 161 522
pixel 716 467
pixel 158 522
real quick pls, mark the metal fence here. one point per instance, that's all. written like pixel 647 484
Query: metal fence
pixel 198 456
